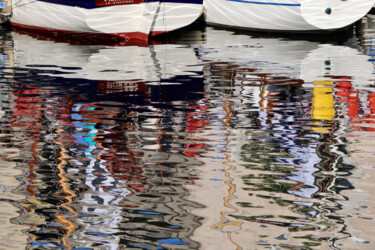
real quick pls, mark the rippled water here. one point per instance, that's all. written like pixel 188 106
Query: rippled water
pixel 209 139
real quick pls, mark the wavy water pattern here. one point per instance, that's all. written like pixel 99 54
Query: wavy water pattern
pixel 208 139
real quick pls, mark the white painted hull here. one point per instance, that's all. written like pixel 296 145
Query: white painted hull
pixel 128 21
pixel 173 16
pixel 286 15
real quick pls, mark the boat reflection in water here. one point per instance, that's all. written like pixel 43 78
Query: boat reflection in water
pixel 284 110
pixel 95 146
pixel 239 142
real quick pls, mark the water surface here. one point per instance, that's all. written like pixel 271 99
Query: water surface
pixel 213 139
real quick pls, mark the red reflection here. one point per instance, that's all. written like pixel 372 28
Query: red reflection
pixel 359 107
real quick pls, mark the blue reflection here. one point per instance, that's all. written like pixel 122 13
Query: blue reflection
pixel 173 241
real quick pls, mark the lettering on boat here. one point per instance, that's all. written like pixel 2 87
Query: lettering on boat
pixel 116 2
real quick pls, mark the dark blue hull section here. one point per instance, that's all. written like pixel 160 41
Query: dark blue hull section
pixel 90 4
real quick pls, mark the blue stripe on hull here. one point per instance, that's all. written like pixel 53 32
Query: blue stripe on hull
pixel 90 4
pixel 183 1
pixel 265 3
pixel 87 4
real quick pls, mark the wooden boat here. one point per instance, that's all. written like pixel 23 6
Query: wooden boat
pixel 286 15
pixel 126 19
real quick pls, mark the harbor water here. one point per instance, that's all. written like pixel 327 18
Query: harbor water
pixel 207 138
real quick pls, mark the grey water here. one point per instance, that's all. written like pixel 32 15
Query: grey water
pixel 205 139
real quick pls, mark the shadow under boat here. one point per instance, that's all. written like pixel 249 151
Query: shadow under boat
pixel 338 36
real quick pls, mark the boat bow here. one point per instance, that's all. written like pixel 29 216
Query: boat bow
pixel 334 14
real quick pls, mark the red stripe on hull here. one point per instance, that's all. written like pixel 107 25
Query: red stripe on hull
pixel 155 33
pixel 75 37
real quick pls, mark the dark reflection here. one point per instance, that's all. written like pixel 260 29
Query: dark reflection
pixel 207 139
pixel 337 37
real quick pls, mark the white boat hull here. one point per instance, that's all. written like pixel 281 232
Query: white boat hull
pixel 286 15
pixel 131 21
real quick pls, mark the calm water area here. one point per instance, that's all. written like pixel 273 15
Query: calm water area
pixel 205 139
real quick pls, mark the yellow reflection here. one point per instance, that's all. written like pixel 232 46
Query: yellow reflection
pixel 224 221
pixel 322 104
pixel 63 181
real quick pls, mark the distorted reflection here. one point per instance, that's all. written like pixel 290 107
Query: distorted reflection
pixel 215 140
